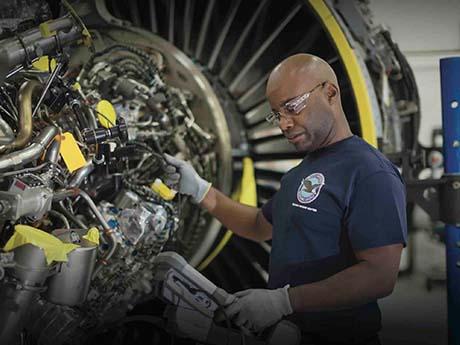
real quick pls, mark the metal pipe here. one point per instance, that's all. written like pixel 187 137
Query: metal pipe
pixel 81 174
pixel 7 135
pixel 47 86
pixel 52 153
pixel 30 153
pixel 25 115
pixel 71 216
pixel 107 229
pixel 61 217
pixel 31 44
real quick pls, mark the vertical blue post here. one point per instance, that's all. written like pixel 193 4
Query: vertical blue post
pixel 450 89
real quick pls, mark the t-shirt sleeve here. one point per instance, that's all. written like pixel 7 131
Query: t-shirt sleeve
pixel 267 211
pixel 377 212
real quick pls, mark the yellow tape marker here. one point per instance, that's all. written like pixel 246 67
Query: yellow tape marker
pixel 163 190
pixel 45 30
pixel 54 248
pixel 43 62
pixel 353 69
pixel 70 152
pixel 106 113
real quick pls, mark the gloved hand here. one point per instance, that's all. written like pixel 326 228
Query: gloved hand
pixel 257 309
pixel 190 183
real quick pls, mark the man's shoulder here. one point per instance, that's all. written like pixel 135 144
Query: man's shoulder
pixel 364 160
pixel 367 156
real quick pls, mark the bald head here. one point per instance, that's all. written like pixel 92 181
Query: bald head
pixel 321 120
pixel 303 69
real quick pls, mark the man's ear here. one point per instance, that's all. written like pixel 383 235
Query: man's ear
pixel 332 93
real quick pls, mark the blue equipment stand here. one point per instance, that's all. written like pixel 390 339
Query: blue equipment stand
pixel 450 88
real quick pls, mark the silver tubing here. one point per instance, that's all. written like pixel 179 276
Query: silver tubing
pixel 80 175
pixel 30 153
pixel 61 217
pixel 108 232
pixel 52 153
pixel 7 133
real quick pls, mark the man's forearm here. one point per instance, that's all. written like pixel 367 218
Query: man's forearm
pixel 356 285
pixel 241 219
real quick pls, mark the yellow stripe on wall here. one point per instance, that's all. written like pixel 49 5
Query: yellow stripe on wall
pixel 353 69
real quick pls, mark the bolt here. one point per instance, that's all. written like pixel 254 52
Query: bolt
pixel 456 143
pixel 456 185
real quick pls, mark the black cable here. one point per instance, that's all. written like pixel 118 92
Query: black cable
pixel 27 61
pixel 105 117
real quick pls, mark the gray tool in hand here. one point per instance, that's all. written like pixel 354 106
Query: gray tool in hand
pixel 193 300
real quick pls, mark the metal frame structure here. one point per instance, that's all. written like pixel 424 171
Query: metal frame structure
pixel 450 87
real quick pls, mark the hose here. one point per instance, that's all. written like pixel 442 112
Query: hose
pixel 27 90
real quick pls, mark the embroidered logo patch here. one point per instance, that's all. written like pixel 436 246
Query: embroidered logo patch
pixel 310 187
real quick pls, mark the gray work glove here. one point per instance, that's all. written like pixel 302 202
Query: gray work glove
pixel 257 309
pixel 190 183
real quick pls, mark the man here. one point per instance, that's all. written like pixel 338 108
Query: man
pixel 337 224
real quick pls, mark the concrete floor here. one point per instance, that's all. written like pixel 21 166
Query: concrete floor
pixel 412 315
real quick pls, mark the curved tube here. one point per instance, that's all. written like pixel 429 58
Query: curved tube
pixel 95 210
pixel 52 153
pixel 61 217
pixel 71 216
pixel 30 153
pixel 107 230
pixel 7 135
pixel 81 174
pixel 26 92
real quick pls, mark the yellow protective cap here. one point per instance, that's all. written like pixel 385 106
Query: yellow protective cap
pixel 54 248
pixel 43 63
pixel 163 190
pixel 106 113
pixel 92 235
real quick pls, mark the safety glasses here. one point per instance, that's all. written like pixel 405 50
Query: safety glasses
pixel 292 107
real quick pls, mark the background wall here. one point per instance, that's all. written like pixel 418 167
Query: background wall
pixel 425 30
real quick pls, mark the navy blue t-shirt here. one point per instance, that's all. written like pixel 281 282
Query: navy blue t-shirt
pixel 340 199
